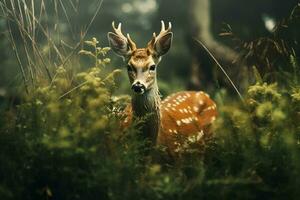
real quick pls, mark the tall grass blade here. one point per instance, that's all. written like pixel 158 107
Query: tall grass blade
pixel 222 69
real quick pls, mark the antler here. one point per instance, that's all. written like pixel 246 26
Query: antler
pixel 163 32
pixel 118 31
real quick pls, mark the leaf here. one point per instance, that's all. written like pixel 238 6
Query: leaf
pixel 89 43
pixel 225 34
pixel 84 52
pixel 257 75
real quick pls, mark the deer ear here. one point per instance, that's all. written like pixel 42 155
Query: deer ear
pixel 163 44
pixel 119 45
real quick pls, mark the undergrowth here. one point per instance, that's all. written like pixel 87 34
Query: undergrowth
pixel 68 145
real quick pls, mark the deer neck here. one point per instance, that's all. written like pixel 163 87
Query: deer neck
pixel 146 107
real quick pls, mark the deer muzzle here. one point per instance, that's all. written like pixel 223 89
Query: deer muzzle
pixel 138 87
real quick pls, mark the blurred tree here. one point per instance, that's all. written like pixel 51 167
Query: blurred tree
pixel 204 20
pixel 200 23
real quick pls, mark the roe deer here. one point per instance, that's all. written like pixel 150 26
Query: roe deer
pixel 181 119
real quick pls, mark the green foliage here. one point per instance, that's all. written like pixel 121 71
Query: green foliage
pixel 64 142
pixel 69 146
pixel 259 145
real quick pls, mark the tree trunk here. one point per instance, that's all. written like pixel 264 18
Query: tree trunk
pixel 200 26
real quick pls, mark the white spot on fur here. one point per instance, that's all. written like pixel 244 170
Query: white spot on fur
pixel 201 102
pixel 209 108
pixel 196 109
pixel 185 121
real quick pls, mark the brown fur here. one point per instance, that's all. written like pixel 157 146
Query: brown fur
pixel 196 110
pixel 179 122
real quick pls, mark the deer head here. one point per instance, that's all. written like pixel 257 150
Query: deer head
pixel 141 62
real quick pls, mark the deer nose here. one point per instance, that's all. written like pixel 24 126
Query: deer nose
pixel 137 87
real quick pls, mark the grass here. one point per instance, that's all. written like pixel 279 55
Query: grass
pixel 40 40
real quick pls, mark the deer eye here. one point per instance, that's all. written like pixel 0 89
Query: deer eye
pixel 152 68
pixel 129 68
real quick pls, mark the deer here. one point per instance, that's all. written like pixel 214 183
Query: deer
pixel 180 120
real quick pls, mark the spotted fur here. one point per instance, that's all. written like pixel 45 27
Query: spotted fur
pixel 186 117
